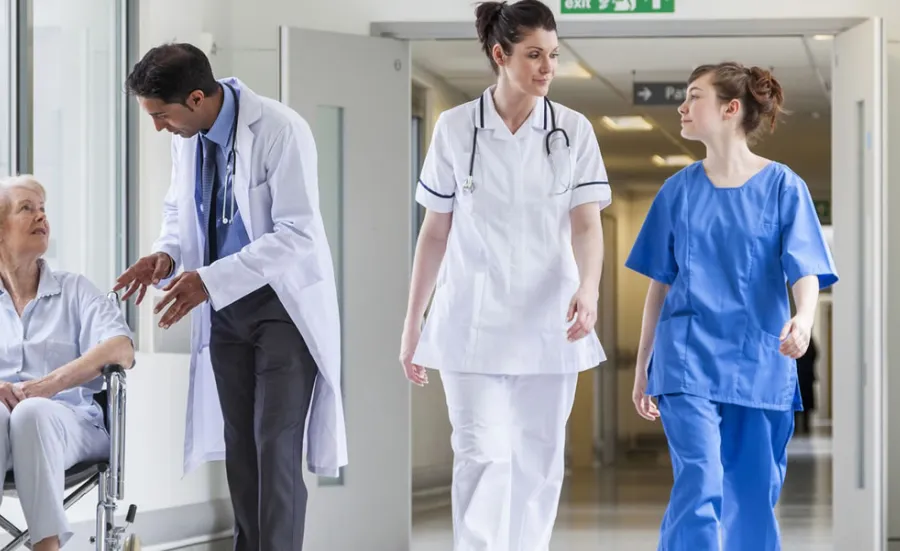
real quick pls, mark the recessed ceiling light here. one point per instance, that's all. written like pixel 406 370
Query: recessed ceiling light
pixel 673 160
pixel 627 123
pixel 572 69
pixel 823 37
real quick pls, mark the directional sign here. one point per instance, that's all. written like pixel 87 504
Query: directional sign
pixel 617 6
pixel 659 93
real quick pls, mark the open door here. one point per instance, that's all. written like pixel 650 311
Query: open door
pixel 355 93
pixel 858 192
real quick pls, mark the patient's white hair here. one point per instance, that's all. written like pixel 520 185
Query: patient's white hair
pixel 26 181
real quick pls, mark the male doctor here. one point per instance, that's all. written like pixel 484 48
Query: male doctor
pixel 243 248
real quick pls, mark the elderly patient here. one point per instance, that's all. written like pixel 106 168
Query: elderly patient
pixel 57 331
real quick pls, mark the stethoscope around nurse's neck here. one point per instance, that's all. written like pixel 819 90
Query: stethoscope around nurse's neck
pixel 556 156
pixel 231 159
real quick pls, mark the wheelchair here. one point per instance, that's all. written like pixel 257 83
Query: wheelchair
pixel 107 476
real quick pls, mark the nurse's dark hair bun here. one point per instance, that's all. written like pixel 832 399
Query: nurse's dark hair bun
pixel 507 24
pixel 757 89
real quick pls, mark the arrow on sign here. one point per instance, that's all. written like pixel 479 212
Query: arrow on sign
pixel 645 94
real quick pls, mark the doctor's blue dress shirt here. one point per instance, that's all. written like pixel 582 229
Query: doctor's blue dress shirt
pixel 230 238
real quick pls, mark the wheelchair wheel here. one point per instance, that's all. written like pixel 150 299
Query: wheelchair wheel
pixel 132 543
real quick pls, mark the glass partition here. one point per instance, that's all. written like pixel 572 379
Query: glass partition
pixel 329 133
pixel 75 140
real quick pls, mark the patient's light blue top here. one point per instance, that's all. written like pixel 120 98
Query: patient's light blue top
pixel 727 254
pixel 68 317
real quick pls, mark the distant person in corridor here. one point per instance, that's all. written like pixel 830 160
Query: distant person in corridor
pixel 718 345
pixel 806 375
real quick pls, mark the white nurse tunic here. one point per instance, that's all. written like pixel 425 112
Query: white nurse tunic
pixel 509 272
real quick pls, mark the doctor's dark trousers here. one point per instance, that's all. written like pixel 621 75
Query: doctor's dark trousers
pixel 729 464
pixel 265 376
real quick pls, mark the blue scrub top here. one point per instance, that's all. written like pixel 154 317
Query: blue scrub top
pixel 727 254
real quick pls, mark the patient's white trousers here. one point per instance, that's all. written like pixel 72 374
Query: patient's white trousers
pixel 509 436
pixel 39 440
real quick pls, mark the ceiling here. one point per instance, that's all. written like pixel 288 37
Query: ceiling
pixel 601 73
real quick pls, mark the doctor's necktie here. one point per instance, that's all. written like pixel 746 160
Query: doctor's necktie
pixel 208 195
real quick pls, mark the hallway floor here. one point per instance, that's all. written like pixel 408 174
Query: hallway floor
pixel 620 508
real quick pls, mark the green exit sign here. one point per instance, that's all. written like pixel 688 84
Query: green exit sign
pixel 617 6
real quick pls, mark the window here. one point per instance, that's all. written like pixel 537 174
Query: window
pixel 6 83
pixel 73 138
pixel 329 132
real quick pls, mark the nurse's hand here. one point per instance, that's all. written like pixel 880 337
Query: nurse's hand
pixel 795 337
pixel 643 403
pixel 583 310
pixel 415 373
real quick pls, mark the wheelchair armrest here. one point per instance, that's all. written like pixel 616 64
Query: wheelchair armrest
pixel 112 368
pixel 116 392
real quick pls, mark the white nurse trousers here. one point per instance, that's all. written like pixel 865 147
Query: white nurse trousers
pixel 39 440
pixel 509 436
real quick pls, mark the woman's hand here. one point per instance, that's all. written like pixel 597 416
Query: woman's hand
pixel 408 343
pixel 643 403
pixel 583 310
pixel 795 337
pixel 44 387
pixel 11 395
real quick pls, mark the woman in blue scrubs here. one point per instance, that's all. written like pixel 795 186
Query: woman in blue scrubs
pixel 723 240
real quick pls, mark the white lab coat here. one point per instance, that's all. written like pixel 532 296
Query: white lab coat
pixel 276 191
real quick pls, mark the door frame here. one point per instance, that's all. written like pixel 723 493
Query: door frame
pixel 569 28
pixel 632 28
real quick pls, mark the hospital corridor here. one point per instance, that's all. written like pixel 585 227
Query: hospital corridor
pixel 621 507
pixel 449 275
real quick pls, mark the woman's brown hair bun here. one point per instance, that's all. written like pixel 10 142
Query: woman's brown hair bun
pixel 756 88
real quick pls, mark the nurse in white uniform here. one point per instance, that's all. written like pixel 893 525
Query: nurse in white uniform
pixel 513 185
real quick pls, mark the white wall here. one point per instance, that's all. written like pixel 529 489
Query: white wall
pixel 893 307
pixel 6 108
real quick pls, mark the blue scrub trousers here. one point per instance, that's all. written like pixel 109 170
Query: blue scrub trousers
pixel 729 464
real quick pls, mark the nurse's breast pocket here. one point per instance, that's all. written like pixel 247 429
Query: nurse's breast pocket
pixel 767 252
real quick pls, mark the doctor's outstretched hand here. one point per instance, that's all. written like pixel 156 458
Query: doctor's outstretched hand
pixel 185 292
pixel 415 373
pixel 149 270
pixel 583 311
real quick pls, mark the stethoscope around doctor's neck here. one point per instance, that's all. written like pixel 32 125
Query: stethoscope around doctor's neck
pixel 558 156
pixel 231 159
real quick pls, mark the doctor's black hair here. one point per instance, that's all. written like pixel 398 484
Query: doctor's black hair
pixel 507 24
pixel 171 72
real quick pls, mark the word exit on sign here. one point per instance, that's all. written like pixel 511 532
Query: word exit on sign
pixel 617 6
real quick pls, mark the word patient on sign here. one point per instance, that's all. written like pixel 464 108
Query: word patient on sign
pixel 659 93
pixel 617 6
